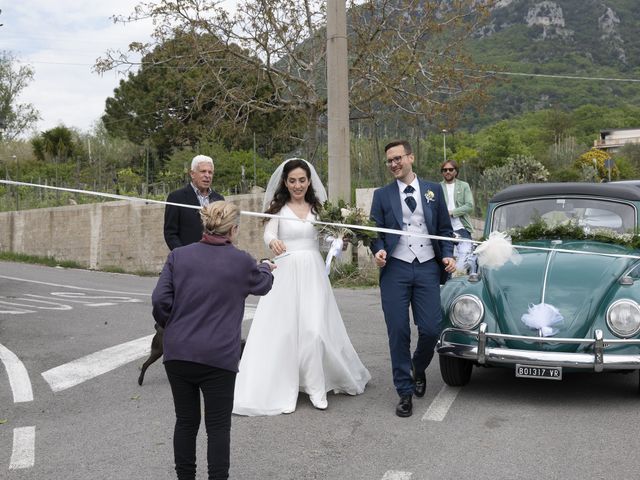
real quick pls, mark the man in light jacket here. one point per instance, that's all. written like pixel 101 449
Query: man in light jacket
pixel 460 205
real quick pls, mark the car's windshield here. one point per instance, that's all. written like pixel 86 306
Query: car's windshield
pixel 592 214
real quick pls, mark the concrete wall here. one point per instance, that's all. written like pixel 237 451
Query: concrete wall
pixel 126 235
pixel 112 234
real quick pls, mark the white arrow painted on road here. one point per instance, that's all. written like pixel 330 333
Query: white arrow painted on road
pixel 24 438
pixel 85 368
pixel 18 376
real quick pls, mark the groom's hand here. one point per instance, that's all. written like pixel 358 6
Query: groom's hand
pixel 449 264
pixel 380 258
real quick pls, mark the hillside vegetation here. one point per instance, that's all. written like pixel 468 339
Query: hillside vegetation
pixel 578 38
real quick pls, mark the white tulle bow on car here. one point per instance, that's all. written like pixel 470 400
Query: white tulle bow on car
pixel 543 317
pixel 496 251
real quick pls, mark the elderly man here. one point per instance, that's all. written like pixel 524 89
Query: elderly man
pixel 182 226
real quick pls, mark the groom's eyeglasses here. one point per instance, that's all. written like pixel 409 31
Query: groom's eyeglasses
pixel 447 170
pixel 396 159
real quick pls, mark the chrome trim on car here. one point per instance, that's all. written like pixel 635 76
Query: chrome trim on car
pixel 482 342
pixel 482 354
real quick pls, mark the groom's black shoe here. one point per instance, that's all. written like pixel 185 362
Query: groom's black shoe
pixel 420 380
pixel 405 406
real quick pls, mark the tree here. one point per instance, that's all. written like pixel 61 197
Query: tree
pixel 169 103
pixel 405 55
pixel 15 118
pixel 517 170
pixel 500 143
pixel 594 161
pixel 409 57
pixel 57 143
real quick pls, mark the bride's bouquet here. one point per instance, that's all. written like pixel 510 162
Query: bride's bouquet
pixel 343 217
pixel 344 214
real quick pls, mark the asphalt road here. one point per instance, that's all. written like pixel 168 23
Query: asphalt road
pixel 88 419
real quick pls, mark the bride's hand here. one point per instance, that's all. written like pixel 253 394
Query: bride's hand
pixel 277 246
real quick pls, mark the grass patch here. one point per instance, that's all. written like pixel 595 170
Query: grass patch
pixel 350 275
pixel 38 260
pixel 112 269
pixel 52 262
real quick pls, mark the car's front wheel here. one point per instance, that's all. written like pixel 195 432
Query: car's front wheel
pixel 455 372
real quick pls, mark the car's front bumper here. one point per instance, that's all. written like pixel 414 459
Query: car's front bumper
pixel 596 360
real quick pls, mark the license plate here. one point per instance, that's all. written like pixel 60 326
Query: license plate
pixel 534 371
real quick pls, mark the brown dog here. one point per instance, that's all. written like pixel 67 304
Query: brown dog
pixel 156 351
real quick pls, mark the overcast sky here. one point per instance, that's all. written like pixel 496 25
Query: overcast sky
pixel 61 41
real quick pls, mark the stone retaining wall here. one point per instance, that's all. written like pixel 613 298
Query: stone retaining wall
pixel 118 234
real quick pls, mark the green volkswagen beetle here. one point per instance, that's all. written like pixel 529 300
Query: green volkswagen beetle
pixel 577 274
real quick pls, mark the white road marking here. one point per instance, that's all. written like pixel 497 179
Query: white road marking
pixel 396 475
pixel 24 445
pixel 441 404
pixel 85 368
pixel 55 305
pixel 14 310
pixel 18 376
pixel 73 287
pixel 81 297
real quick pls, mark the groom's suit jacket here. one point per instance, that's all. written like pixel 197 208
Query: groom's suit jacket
pixel 386 212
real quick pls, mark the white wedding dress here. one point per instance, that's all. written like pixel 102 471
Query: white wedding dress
pixel 297 341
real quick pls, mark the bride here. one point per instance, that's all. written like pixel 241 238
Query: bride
pixel 297 342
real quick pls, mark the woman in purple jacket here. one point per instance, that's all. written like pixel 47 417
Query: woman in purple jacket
pixel 199 300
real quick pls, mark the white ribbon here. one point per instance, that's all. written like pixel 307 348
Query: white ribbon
pixel 503 245
pixel 334 251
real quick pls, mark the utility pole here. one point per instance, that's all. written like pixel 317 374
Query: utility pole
pixel 444 144
pixel 255 170
pixel 17 180
pixel 338 102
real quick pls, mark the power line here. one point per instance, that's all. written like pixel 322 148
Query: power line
pixel 492 72
pixel 568 77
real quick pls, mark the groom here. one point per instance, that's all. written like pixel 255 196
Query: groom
pixel 411 268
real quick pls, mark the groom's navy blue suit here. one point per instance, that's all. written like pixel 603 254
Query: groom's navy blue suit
pixel 409 281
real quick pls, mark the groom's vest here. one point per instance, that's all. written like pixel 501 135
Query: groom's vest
pixel 409 248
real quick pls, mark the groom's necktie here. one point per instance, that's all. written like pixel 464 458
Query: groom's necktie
pixel 409 200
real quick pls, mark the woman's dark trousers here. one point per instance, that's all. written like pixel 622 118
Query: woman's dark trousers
pixel 187 380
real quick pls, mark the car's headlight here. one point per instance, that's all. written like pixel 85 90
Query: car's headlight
pixel 623 318
pixel 466 311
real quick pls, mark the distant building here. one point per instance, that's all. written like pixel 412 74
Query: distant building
pixel 613 139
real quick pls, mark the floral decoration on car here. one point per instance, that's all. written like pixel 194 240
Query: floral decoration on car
pixel 539 230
